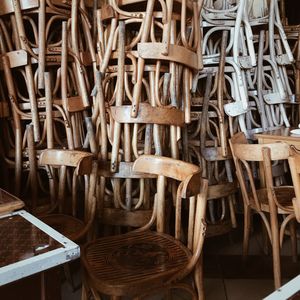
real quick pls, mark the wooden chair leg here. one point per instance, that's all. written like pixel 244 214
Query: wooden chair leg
pixel 293 237
pixel 199 281
pixel 84 294
pixel 275 250
pixel 68 276
pixel 247 227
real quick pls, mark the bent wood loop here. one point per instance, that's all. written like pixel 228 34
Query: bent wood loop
pixel 165 166
pixel 82 161
pixel 148 115
pixel 294 163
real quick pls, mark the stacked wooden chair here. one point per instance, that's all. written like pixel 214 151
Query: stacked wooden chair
pixel 45 83
pixel 142 98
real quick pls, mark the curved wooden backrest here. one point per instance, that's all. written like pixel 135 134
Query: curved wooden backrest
pixel 149 115
pixel 193 185
pixel 165 166
pixel 294 163
pixel 244 154
pixel 254 152
pixel 80 160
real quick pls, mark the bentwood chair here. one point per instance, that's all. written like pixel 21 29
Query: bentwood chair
pixel 68 216
pixel 267 200
pixel 148 259
pixel 294 163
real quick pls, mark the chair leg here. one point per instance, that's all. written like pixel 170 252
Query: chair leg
pixel 84 294
pixel 275 249
pixel 68 276
pixel 265 240
pixel 293 236
pixel 247 227
pixel 199 279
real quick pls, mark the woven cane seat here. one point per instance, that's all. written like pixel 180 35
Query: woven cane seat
pixel 133 262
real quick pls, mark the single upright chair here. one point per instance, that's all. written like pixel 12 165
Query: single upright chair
pixel 67 217
pixel 148 259
pixel 263 198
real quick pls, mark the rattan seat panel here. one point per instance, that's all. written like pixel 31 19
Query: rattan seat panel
pixel 284 195
pixel 132 259
pixel 67 225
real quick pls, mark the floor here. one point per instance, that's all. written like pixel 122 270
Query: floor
pixel 227 276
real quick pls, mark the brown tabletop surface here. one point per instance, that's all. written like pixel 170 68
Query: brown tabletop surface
pixel 21 240
pixel 279 134
pixel 9 202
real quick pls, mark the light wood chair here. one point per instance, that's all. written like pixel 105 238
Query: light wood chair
pixel 68 218
pixel 294 163
pixel 267 200
pixel 144 261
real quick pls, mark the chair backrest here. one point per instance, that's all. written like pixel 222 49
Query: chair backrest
pixel 82 164
pixel 246 155
pixel 80 160
pixel 294 163
pixel 192 187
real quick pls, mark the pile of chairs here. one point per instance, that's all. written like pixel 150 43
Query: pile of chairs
pixel 124 79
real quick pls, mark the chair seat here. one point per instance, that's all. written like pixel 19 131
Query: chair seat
pixel 284 195
pixel 131 263
pixel 69 226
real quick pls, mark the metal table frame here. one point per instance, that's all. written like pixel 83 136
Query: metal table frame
pixel 41 262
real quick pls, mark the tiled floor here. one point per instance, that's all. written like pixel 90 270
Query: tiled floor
pixel 227 276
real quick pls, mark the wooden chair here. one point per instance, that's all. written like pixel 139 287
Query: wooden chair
pixel 267 199
pixel 294 163
pixel 67 219
pixel 144 261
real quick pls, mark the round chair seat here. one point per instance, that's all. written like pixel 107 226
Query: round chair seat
pixel 68 226
pixel 131 263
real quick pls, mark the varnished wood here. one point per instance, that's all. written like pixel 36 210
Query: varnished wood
pixel 79 159
pixel 9 202
pixel 294 163
pixel 149 115
pixel 120 217
pixel 268 199
pixel 170 167
pixel 176 53
pixel 6 7
pixel 71 226
pixel 16 58
pixel 125 170
pixel 141 261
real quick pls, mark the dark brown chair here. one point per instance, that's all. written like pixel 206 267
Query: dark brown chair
pixel 144 260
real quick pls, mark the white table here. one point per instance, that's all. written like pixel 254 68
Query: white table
pixel 288 291
pixel 29 246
